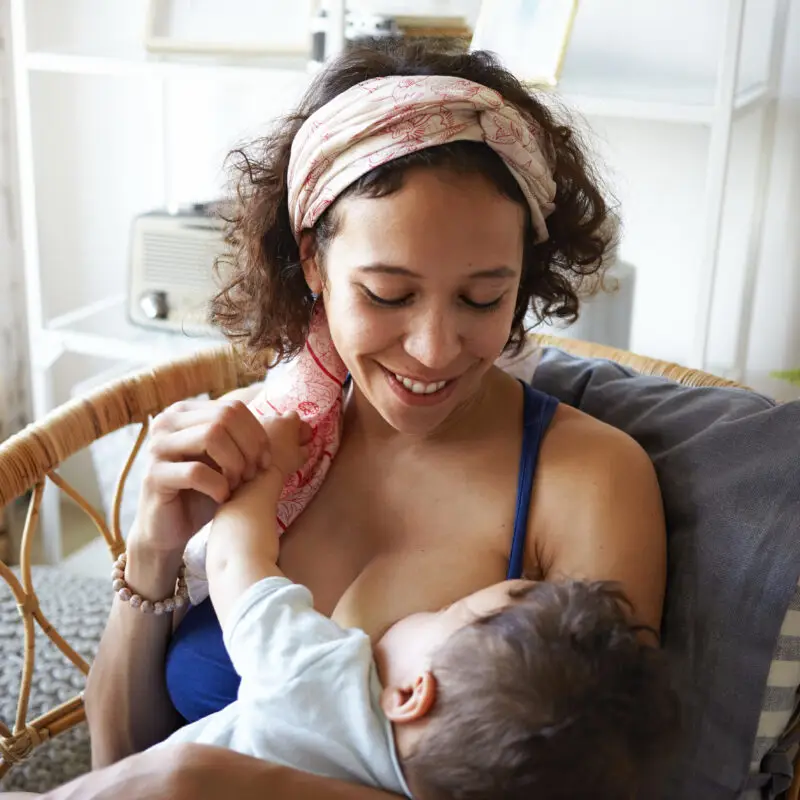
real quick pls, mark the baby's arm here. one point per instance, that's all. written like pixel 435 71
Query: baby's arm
pixel 243 541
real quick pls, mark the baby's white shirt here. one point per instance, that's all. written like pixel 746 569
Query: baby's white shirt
pixel 310 693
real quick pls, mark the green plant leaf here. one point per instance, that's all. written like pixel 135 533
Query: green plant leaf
pixel 791 375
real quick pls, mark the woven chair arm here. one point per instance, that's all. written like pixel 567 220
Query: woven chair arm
pixel 641 364
pixel 27 457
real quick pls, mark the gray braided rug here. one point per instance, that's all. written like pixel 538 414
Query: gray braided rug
pixel 78 607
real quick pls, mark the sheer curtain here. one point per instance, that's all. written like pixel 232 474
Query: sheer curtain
pixel 13 344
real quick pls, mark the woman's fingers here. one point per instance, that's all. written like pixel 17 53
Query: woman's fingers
pixel 248 434
pixel 212 444
pixel 185 414
pixel 172 477
pixel 214 426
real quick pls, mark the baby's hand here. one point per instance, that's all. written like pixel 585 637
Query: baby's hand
pixel 288 440
pixel 241 525
pixel 289 437
pixel 243 544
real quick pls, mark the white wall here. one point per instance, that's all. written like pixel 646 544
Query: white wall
pixel 99 152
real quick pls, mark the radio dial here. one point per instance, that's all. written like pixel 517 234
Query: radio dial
pixel 154 305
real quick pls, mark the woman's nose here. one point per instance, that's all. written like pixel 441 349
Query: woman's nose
pixel 434 340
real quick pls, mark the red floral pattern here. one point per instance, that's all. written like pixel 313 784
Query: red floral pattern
pixel 311 384
pixel 382 119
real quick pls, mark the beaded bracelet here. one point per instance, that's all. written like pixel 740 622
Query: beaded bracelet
pixel 123 591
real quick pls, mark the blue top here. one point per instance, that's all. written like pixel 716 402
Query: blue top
pixel 200 676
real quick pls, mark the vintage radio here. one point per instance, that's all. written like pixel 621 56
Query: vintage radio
pixel 172 268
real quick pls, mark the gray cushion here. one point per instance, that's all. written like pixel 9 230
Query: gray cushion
pixel 728 462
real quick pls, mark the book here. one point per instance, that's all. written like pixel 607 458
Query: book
pixel 529 36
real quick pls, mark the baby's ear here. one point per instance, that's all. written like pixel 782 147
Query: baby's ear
pixel 409 703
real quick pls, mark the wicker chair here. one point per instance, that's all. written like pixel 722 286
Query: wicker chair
pixel 31 457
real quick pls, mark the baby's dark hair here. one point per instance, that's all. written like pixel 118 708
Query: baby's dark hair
pixel 552 697
pixel 265 303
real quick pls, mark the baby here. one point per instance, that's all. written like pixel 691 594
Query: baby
pixel 520 690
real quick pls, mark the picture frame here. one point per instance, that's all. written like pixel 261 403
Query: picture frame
pixel 530 36
pixel 195 28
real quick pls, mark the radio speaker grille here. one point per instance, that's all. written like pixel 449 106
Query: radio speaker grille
pixel 174 260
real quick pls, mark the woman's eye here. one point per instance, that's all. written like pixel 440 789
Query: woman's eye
pixel 482 306
pixel 398 302
pixel 386 302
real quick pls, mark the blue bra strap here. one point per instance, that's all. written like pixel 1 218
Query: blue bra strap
pixel 537 412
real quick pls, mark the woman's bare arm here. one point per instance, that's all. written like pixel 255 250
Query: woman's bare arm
pixel 597 512
pixel 127 704
pixel 201 772
pixel 199 452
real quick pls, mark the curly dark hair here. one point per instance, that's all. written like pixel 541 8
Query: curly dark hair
pixel 552 697
pixel 265 304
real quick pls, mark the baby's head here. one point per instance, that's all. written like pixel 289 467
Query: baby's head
pixel 525 690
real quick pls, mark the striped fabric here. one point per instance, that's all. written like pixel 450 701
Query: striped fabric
pixel 781 695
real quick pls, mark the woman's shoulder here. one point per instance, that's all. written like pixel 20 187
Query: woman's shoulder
pixel 576 450
pixel 597 512
pixel 574 436
pixel 592 477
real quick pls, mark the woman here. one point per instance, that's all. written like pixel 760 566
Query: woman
pixel 426 267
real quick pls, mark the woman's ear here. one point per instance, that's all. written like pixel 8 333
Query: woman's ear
pixel 410 703
pixel 308 258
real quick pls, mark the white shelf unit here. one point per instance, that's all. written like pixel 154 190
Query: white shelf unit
pixel 101 328
pixel 688 103
pixel 159 67
pixel 716 106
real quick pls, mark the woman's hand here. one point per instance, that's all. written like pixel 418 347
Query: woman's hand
pixel 199 453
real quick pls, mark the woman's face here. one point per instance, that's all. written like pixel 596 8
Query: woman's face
pixel 420 288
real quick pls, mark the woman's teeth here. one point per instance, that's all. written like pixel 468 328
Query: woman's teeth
pixel 420 388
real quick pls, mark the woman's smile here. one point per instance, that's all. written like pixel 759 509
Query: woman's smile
pixel 414 392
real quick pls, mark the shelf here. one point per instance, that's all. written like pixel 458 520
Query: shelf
pixel 103 329
pixel 143 64
pixel 687 104
pixel 751 99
